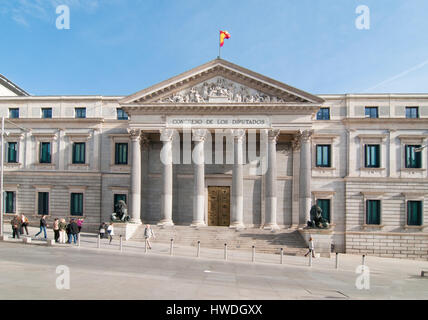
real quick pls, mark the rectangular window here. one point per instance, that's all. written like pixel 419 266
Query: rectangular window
pixel 323 155
pixel 79 152
pixel 76 204
pixel 373 212
pixel 413 158
pixel 13 113
pixel 414 213
pixel 323 114
pixel 121 114
pixel 43 203
pixel 45 152
pixel 80 112
pixel 9 204
pixel 46 113
pixel 324 204
pixel 371 112
pixel 12 152
pixel 121 153
pixel 117 198
pixel 372 156
pixel 412 112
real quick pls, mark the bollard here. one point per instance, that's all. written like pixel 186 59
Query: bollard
pixel 310 259
pixel 337 260
pixel 121 244
pixel 225 251
pixel 145 245
pixel 281 255
pixel 198 251
pixel 364 260
pixel 171 247
pixel 99 241
pixel 253 259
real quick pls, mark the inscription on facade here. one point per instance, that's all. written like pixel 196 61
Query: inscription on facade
pixel 257 122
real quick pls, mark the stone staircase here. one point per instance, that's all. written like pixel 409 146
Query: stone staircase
pixel 265 241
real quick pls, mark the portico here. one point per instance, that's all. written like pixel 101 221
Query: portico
pixel 219 125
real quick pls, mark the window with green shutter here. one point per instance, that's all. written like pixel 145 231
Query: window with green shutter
pixel 79 152
pixel 9 203
pixel 413 158
pixel 324 204
pixel 76 204
pixel 12 152
pixel 323 155
pixel 372 156
pixel 414 213
pixel 45 152
pixel 43 203
pixel 373 212
pixel 121 153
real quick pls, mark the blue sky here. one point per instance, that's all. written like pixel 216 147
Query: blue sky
pixel 117 47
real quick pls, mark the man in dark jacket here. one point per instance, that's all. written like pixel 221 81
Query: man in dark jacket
pixel 73 231
pixel 43 226
pixel 16 225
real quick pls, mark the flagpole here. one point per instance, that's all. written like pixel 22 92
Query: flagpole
pixel 219 47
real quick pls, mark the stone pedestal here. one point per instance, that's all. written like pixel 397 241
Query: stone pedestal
pixel 322 238
pixel 4 237
pixel 126 230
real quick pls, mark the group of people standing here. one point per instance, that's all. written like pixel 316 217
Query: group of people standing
pixel 63 232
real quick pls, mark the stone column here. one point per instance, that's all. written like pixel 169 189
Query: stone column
pixel 166 160
pixel 271 200
pixel 237 219
pixel 305 175
pixel 135 207
pixel 295 215
pixel 198 136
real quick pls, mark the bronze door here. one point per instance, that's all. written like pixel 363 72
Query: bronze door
pixel 219 206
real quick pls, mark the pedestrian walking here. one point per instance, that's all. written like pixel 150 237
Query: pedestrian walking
pixel 24 224
pixel 110 231
pixel 73 231
pixel 148 233
pixel 62 228
pixel 79 224
pixel 102 230
pixel 43 226
pixel 16 225
pixel 55 228
pixel 311 248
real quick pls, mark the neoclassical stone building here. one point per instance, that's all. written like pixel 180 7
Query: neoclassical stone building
pixel 220 145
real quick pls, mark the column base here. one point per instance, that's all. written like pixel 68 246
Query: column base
pixel 165 223
pixel 237 225
pixel 197 224
pixel 135 221
pixel 270 226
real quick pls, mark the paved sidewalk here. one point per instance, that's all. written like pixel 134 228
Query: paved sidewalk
pixel 135 274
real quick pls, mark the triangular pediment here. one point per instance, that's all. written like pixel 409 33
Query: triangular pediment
pixel 220 81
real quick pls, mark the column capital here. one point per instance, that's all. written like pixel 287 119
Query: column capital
pixel 199 134
pixel 305 135
pixel 273 134
pixel 295 143
pixel 238 134
pixel 145 140
pixel 134 134
pixel 166 134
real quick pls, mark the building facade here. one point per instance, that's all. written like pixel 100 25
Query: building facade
pixel 220 145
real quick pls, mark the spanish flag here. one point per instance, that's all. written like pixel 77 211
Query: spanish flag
pixel 223 35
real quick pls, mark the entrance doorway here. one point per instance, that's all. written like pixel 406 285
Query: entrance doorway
pixel 219 206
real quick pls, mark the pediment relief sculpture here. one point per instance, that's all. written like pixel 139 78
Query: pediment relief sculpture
pixel 220 90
